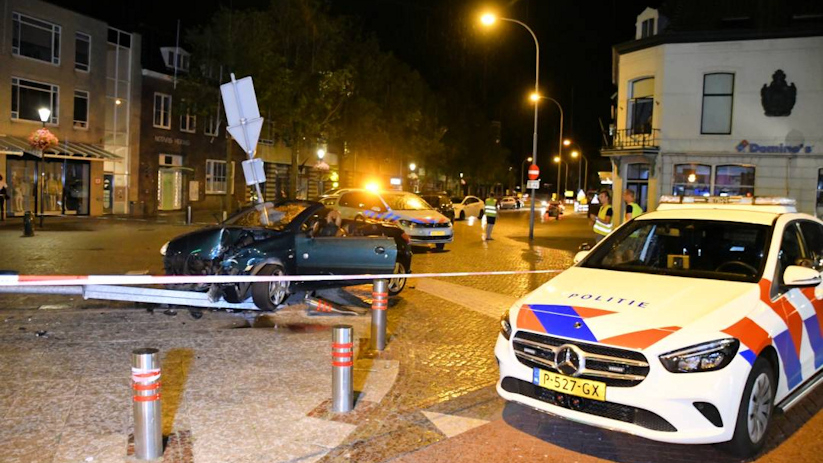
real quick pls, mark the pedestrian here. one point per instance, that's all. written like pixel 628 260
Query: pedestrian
pixel 4 194
pixel 491 215
pixel 603 220
pixel 632 208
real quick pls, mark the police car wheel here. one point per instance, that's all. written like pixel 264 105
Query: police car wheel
pixel 755 412
pixel 440 246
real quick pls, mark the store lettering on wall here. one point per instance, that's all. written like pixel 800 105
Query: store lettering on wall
pixel 746 147
pixel 171 141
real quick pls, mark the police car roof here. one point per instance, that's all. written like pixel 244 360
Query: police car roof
pixel 760 216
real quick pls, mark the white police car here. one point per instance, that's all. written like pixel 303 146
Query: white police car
pixel 410 212
pixel 685 325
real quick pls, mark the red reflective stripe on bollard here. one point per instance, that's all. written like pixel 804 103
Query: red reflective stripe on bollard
pixel 146 387
pixel 336 345
pixel 342 355
pixel 146 398
pixel 342 364
pixel 146 375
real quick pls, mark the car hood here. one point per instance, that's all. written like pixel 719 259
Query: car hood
pixel 423 217
pixel 633 310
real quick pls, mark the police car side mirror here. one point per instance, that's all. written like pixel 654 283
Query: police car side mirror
pixel 800 277
pixel 580 256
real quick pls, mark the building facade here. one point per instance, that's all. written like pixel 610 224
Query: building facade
pixel 729 111
pixel 81 71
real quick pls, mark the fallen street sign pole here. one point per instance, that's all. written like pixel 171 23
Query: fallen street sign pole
pixel 244 125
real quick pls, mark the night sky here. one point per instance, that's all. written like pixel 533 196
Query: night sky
pixel 575 53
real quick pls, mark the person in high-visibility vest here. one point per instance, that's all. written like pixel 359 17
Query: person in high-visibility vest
pixel 632 208
pixel 490 210
pixel 603 220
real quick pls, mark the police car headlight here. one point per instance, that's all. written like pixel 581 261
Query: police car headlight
pixel 505 325
pixel 164 248
pixel 708 356
pixel 406 223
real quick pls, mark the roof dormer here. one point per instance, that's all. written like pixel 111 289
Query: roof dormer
pixel 176 58
pixel 649 23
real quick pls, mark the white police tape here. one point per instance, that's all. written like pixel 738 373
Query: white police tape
pixel 79 280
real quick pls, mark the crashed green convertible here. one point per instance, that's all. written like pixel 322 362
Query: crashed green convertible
pixel 290 238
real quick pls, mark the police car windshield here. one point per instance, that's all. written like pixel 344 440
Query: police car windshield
pixel 691 248
pixel 405 202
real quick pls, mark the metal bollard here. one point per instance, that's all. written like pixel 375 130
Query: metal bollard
pixel 145 376
pixel 28 224
pixel 342 360
pixel 188 215
pixel 380 300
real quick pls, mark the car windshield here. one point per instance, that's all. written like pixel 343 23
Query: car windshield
pixel 716 250
pixel 457 200
pixel 405 202
pixel 280 215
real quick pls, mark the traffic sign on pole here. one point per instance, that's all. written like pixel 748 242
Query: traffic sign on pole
pixel 534 172
pixel 533 184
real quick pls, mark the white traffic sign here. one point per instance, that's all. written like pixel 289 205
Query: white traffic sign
pixel 242 113
pixel 533 184
pixel 253 171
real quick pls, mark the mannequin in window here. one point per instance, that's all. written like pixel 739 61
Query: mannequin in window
pixel 17 188
pixel 54 190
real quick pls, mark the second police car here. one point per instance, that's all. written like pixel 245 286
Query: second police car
pixel 686 325
pixel 416 217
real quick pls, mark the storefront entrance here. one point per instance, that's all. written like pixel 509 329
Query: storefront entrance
pixel 47 186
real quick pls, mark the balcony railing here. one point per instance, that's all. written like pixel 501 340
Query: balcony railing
pixel 635 138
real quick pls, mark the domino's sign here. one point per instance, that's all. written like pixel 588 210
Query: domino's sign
pixel 746 147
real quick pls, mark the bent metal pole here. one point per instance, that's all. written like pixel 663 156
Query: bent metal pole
pixel 342 361
pixel 145 376
pixel 380 300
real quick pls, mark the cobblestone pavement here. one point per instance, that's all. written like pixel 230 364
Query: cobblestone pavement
pixel 246 387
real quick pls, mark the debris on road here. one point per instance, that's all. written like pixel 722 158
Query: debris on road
pixel 170 312
pixel 41 333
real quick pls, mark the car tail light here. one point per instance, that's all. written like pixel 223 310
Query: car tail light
pixel 406 238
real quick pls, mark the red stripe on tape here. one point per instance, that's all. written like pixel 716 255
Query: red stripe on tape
pixel 51 277
pixel 146 398
pixel 342 364
pixel 145 387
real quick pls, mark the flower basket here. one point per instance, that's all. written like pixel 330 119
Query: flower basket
pixel 322 166
pixel 42 139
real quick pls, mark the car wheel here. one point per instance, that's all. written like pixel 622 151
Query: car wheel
pixel 270 294
pixel 234 294
pixel 397 284
pixel 462 215
pixel 755 412
pixel 440 246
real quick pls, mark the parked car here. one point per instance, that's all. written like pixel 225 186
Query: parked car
pixel 441 203
pixel 507 202
pixel 292 242
pixel 410 212
pixel 470 206
pixel 687 325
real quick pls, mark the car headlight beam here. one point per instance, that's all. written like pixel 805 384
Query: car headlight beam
pixel 709 356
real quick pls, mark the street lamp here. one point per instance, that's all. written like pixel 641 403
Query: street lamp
pixel 522 171
pixel 321 153
pixel 535 97
pixel 45 114
pixel 489 19
pixel 412 166
pixel 575 153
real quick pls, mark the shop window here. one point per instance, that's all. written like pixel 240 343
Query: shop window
pixel 216 176
pixel 28 96
pixel 82 52
pixel 81 109
pixel 637 180
pixel 734 181
pixel 641 106
pixel 162 111
pixel 718 95
pixel 692 180
pixel 35 39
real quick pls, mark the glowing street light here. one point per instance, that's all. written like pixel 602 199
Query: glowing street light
pixel 45 113
pixel 488 19
pixel 412 166
pixel 522 171
pixel 321 153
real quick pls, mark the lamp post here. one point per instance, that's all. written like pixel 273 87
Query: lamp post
pixel 575 154
pixel 523 171
pixel 45 114
pixel 537 97
pixel 488 19
pixel 412 167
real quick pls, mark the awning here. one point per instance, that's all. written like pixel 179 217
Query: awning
pixel 65 150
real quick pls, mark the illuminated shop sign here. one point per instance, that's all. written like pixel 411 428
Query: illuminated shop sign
pixel 746 147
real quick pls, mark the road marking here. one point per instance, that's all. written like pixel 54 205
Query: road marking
pixel 483 302
pixel 452 425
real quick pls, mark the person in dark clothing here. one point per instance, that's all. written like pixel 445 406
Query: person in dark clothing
pixel 4 194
